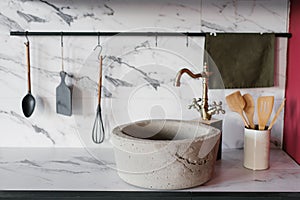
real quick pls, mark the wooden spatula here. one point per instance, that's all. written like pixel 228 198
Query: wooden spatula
pixel 249 109
pixel 264 110
pixel 237 104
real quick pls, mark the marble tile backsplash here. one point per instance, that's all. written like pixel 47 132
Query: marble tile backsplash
pixel 138 76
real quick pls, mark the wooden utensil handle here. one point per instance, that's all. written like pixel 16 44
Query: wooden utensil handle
pixel 100 81
pixel 28 66
pixel 261 127
pixel 245 121
pixel 276 115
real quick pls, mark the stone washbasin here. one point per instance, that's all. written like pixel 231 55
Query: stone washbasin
pixel 165 154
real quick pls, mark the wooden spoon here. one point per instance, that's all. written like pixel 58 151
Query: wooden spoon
pixel 249 109
pixel 237 104
pixel 264 110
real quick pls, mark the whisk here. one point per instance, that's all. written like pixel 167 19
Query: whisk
pixel 98 133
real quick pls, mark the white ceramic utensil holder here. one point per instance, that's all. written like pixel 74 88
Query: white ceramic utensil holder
pixel 256 149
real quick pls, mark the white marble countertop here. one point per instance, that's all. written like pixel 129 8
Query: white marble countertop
pixel 76 170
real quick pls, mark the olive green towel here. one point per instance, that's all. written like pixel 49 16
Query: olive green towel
pixel 244 60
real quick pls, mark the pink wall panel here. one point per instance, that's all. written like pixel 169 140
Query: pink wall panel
pixel 291 139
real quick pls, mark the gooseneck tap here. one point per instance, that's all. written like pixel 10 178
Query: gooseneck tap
pixel 181 72
pixel 205 110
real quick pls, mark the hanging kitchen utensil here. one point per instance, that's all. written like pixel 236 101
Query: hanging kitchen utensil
pixel 98 133
pixel 276 115
pixel 63 92
pixel 249 109
pixel 237 104
pixel 28 102
pixel 264 110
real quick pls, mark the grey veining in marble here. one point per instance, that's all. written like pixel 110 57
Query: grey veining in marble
pixel 153 82
pixel 117 82
pixel 9 23
pixel 74 169
pixel 87 82
pixel 134 68
pixel 65 17
pixel 20 119
pixel 30 18
pixel 240 16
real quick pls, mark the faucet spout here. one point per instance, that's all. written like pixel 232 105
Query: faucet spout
pixel 201 105
pixel 181 72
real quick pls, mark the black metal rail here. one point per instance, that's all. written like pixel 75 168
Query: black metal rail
pixel 84 33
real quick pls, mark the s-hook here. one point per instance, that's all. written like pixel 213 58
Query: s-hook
pixel 156 39
pixel 62 51
pixel 187 39
pixel 98 45
pixel 26 36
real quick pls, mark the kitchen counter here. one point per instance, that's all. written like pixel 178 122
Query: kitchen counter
pixel 69 169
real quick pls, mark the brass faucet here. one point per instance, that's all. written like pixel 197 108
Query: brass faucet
pixel 203 108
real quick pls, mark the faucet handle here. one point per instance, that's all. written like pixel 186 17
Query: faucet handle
pixel 217 107
pixel 195 104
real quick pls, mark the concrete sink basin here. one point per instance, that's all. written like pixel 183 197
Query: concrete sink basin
pixel 165 154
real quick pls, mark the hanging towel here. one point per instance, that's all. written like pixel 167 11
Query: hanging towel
pixel 244 60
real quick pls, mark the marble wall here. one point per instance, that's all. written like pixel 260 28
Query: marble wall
pixel 138 71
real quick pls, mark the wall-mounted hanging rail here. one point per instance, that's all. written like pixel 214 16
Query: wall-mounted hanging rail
pixel 71 33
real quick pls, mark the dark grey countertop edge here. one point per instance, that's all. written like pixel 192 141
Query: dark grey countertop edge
pixel 161 195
